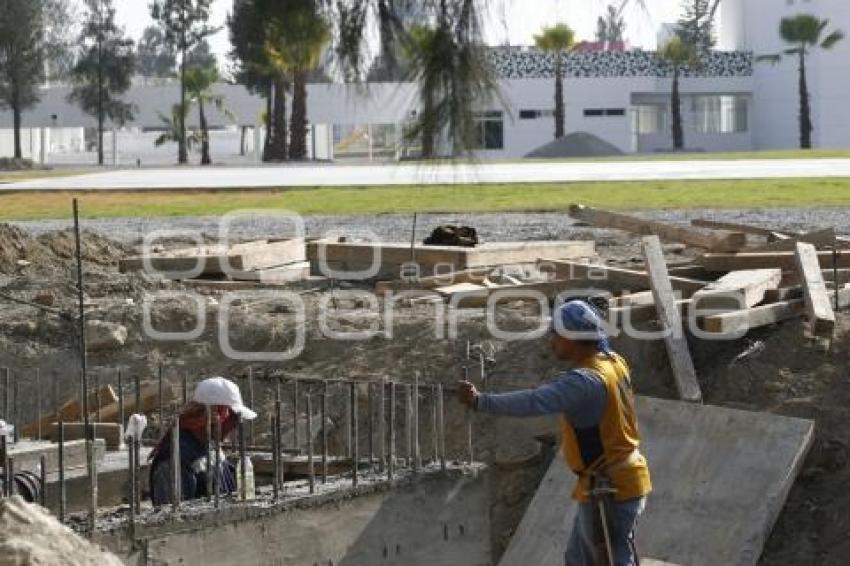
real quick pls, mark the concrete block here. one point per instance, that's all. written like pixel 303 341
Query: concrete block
pixel 720 476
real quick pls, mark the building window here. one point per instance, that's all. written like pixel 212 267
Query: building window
pixel 651 119
pixel 720 114
pixel 534 114
pixel 597 112
pixel 491 130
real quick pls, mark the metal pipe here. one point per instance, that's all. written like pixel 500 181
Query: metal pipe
pixel 311 469
pixel 391 459
pixel 185 387
pixel 10 476
pixel 121 420
pixel 295 414
pixel 275 457
pixel 408 423
pixel 324 415
pixel 209 459
pixel 434 435
pixel 355 456
pixel 97 396
pixel 416 455
pixel 243 464
pixel 131 467
pixel 43 477
pixel 217 473
pixel 93 480
pixel 61 468
pixel 382 426
pixel 161 410
pixel 251 428
pixel 371 423
pixel 38 401
pixel 442 420
pixel 176 465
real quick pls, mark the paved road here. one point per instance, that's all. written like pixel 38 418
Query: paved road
pixel 531 172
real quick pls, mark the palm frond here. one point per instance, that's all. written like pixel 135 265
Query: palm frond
pixel 832 39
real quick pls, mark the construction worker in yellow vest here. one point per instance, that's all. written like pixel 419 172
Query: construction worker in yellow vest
pixel 600 435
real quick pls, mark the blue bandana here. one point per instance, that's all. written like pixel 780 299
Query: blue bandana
pixel 580 321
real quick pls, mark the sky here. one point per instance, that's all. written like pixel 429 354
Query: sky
pixel 524 18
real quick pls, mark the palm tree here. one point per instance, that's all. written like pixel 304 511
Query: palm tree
pixel 294 46
pixel 679 55
pixel 173 129
pixel 803 33
pixel 199 82
pixel 557 40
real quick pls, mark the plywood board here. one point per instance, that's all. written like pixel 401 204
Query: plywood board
pixel 720 479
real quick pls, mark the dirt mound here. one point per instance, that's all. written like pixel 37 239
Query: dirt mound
pixel 29 535
pixel 578 144
pixel 53 249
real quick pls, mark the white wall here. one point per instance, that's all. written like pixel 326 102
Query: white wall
pixel 754 25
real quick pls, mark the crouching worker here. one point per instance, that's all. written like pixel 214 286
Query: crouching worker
pixel 600 435
pixel 225 402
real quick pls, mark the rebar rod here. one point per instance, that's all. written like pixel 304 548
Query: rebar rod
pixel 42 461
pixel 408 423
pixel 251 427
pixel 354 448
pixel 382 427
pixel 97 396
pixel 7 384
pixel 16 392
pixel 324 411
pixel 38 402
pixel 243 462
pixel 416 454
pixel 442 426
pixel 391 459
pixel 275 458
pixel 209 442
pixel 10 476
pixel 295 414
pixel 176 465
pixel 121 409
pixel 161 410
pixel 434 435
pixel 370 410
pixel 93 487
pixel 60 449
pixel 4 458
pixel 131 467
pixel 311 469
pixel 217 473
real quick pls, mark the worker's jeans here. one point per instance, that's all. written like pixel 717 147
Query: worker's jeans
pixel 580 551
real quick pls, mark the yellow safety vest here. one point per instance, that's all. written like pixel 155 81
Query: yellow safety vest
pixel 611 448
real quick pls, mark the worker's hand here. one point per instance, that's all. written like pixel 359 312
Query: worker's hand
pixel 467 394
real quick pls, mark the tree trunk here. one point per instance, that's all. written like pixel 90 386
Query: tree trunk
pixel 205 133
pixel 267 143
pixel 16 121
pixel 559 97
pixel 298 121
pixel 243 131
pixel 182 153
pixel 676 113
pixel 805 107
pixel 100 116
pixel 277 126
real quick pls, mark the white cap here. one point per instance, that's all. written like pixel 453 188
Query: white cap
pixel 220 391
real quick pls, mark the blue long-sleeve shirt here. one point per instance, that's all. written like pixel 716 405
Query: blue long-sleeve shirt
pixel 578 394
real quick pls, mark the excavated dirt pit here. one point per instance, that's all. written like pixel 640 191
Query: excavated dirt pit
pixel 792 376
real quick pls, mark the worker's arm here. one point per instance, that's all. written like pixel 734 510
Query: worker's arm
pixel 574 394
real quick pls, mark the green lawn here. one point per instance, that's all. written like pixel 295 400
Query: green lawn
pixel 439 198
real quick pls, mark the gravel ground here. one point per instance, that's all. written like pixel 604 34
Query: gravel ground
pixel 491 226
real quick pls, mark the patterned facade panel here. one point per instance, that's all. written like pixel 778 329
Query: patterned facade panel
pixel 523 63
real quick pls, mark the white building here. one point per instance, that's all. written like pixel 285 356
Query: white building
pixel 753 25
pixel 731 103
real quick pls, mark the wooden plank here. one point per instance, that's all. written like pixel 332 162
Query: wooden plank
pixel 820 238
pixel 738 288
pixel 465 295
pixel 635 280
pixel 283 274
pixel 792 278
pixel 763 260
pixel 71 410
pixel 217 259
pixel 149 401
pixel 637 314
pixel 764 315
pixel 111 433
pixel 732 227
pixel 671 321
pixel 475 275
pixel 818 306
pixel 391 254
pixel 730 241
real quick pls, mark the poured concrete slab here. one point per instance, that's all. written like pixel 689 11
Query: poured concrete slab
pixel 720 477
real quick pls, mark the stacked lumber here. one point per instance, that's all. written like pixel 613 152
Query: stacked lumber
pixel 261 262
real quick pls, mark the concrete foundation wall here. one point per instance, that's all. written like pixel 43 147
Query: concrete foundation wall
pixel 439 520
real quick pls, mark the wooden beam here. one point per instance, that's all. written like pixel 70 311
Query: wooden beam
pixel 818 306
pixel 149 401
pixel 792 278
pixel 730 241
pixel 215 259
pixel 764 315
pixel 671 321
pixel 820 238
pixel 72 410
pixel 475 275
pixel 733 227
pixel 763 260
pixel 630 278
pixel 738 288
pixel 111 433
